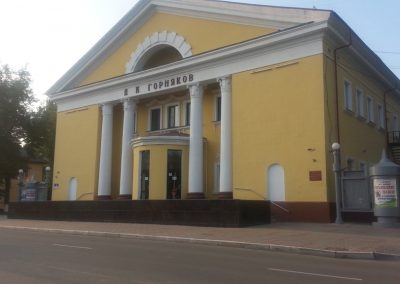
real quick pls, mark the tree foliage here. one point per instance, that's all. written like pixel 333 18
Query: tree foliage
pixel 25 132
pixel 15 100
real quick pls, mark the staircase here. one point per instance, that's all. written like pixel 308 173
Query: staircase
pixel 394 146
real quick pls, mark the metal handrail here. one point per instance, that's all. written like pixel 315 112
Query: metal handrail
pixel 393 137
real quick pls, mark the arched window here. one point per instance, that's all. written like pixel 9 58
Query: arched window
pixel 72 188
pixel 276 183
pixel 159 49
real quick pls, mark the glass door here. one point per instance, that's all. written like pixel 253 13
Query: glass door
pixel 144 174
pixel 174 164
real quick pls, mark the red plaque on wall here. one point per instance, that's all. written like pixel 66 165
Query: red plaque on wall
pixel 315 175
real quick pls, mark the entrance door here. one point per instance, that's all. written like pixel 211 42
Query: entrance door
pixel 174 165
pixel 144 174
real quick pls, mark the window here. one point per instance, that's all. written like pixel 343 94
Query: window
pixel 187 114
pixel 218 108
pixel 381 117
pixel 360 103
pixel 155 119
pixel 350 164
pixel 216 177
pixel 173 116
pixel 395 126
pixel 348 97
pixel 370 110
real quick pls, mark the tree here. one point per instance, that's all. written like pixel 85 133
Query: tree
pixel 15 99
pixel 40 138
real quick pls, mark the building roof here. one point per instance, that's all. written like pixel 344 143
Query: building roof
pixel 280 18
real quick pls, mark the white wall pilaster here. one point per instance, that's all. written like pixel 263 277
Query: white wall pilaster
pixel 125 188
pixel 196 142
pixel 225 181
pixel 104 186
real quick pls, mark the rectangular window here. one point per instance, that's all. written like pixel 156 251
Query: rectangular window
pixel 370 110
pixel 187 115
pixel 218 109
pixel 381 117
pixel 360 103
pixel 348 96
pixel 173 116
pixel 155 119
pixel 216 177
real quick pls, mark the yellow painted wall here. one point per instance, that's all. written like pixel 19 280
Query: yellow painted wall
pixel 76 152
pixel 278 118
pixel 158 170
pixel 202 35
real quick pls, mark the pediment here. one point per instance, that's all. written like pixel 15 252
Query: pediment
pixel 261 16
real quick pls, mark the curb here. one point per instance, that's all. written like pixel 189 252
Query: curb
pixel 233 244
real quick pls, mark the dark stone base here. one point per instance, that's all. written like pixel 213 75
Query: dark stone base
pixel 212 213
pixel 125 197
pixel 318 212
pixel 225 195
pixel 195 195
pixel 103 197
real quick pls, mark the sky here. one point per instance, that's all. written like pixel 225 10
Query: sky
pixel 49 36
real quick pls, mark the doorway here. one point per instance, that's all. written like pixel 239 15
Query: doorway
pixel 174 168
pixel 144 174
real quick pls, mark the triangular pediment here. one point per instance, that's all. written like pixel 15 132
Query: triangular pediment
pixel 249 15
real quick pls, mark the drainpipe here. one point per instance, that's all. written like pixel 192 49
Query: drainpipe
pixel 336 85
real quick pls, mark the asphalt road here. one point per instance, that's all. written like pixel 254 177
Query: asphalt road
pixel 35 257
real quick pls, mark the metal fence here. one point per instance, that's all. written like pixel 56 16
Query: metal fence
pixel 356 193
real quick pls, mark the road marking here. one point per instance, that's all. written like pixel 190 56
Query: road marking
pixel 59 245
pixel 315 274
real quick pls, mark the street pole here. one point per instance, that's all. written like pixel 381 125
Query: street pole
pixel 338 191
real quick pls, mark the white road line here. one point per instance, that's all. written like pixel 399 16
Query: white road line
pixel 59 245
pixel 315 274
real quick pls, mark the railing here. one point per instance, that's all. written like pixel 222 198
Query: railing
pixel 174 130
pixel 394 137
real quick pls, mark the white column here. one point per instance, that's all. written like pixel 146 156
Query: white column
pixel 104 187
pixel 225 178
pixel 125 188
pixel 196 142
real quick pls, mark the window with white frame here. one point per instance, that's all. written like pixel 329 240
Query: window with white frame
pixel 216 177
pixel 360 102
pixel 370 110
pixel 348 96
pixel 172 116
pixel 155 119
pixel 217 108
pixel 381 117
pixel 187 113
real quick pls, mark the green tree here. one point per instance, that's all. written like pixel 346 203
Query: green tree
pixel 15 101
pixel 41 127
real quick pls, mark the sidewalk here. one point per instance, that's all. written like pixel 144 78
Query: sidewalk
pixel 346 240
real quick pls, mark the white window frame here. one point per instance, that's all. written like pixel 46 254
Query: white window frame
pixel 360 103
pixel 149 118
pixel 216 108
pixel 348 95
pixel 381 116
pixel 185 112
pixel 177 114
pixel 370 110
pixel 217 172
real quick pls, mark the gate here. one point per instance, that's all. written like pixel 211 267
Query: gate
pixel 356 193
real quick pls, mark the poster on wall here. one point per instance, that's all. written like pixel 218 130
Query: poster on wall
pixel 385 193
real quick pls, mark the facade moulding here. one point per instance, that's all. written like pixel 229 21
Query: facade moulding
pixel 267 50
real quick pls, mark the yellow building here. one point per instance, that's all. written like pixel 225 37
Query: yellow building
pixel 206 99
